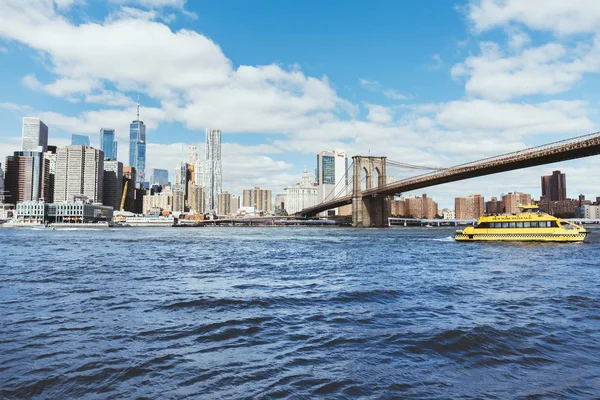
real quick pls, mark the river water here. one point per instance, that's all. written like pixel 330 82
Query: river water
pixel 295 312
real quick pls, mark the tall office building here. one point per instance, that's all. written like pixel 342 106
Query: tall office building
pixel 512 201
pixel 1 185
pixel 27 177
pixel 113 183
pixel 192 155
pixel 79 172
pixel 181 173
pixel 108 144
pixel 258 198
pixel 137 146
pixel 331 176
pixel 470 207
pixel 80 140
pixel 160 177
pixel 212 170
pixel 35 135
pixel 554 187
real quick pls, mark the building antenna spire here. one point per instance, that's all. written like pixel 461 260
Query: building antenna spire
pixel 138 108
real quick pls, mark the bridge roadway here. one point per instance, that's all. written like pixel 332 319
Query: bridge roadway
pixel 569 149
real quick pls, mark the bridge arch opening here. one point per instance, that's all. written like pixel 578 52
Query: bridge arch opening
pixel 365 179
pixel 377 177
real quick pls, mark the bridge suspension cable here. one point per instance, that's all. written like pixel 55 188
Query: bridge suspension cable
pixel 399 164
pixel 340 193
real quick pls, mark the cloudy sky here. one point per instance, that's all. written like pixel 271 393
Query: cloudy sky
pixel 429 82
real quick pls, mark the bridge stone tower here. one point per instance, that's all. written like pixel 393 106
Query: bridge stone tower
pixel 369 210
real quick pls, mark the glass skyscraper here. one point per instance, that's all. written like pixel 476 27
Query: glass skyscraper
pixel 160 177
pixel 137 148
pixel 212 169
pixel 80 140
pixel 108 144
pixel 35 135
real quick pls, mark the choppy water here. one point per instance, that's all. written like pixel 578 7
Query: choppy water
pixel 295 313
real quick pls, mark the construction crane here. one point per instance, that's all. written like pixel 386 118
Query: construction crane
pixel 124 195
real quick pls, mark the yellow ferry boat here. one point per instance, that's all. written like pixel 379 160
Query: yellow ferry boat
pixel 529 225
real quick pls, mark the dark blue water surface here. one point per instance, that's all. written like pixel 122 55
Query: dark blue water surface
pixel 295 313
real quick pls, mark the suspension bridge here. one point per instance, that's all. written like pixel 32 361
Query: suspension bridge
pixel 370 204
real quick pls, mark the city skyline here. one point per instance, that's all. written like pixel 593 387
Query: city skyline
pixel 280 99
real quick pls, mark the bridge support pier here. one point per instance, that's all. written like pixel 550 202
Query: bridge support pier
pixel 370 212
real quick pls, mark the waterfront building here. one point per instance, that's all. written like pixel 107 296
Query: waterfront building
pixel 50 157
pixel 113 181
pixel 554 187
pixel 494 206
pixel 397 207
pixel 212 179
pixel 196 202
pixel 198 174
pixel 258 198
pixel 448 214
pixel 162 200
pixel 301 196
pixel 137 146
pixel 588 211
pixel 160 177
pixel 178 198
pixel 79 172
pixel 108 144
pixel 129 180
pixel 34 135
pixel 563 208
pixel 421 207
pixel 80 140
pixel 280 201
pixel 31 212
pixel 235 203
pixel 1 184
pixel 80 210
pixel 27 177
pixel 228 204
pixel 512 201
pixel 470 207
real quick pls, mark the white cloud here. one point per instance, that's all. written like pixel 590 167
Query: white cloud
pixel 369 85
pixel 379 114
pixel 548 69
pixel 394 95
pixel 15 107
pixel 561 17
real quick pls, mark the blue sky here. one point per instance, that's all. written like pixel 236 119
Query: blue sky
pixel 430 82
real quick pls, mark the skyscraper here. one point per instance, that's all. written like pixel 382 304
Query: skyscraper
pixel 35 135
pixel 160 177
pixel 137 146
pixel 332 176
pixel 79 172
pixel 260 199
pixel 108 144
pixel 554 187
pixel 1 184
pixel 212 170
pixel 113 183
pixel 80 140
pixel 27 177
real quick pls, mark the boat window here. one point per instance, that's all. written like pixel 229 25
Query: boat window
pixel 511 225
pixel 505 224
pixel 519 224
pixel 526 224
pixel 534 224
pixel 483 225
pixel 553 224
